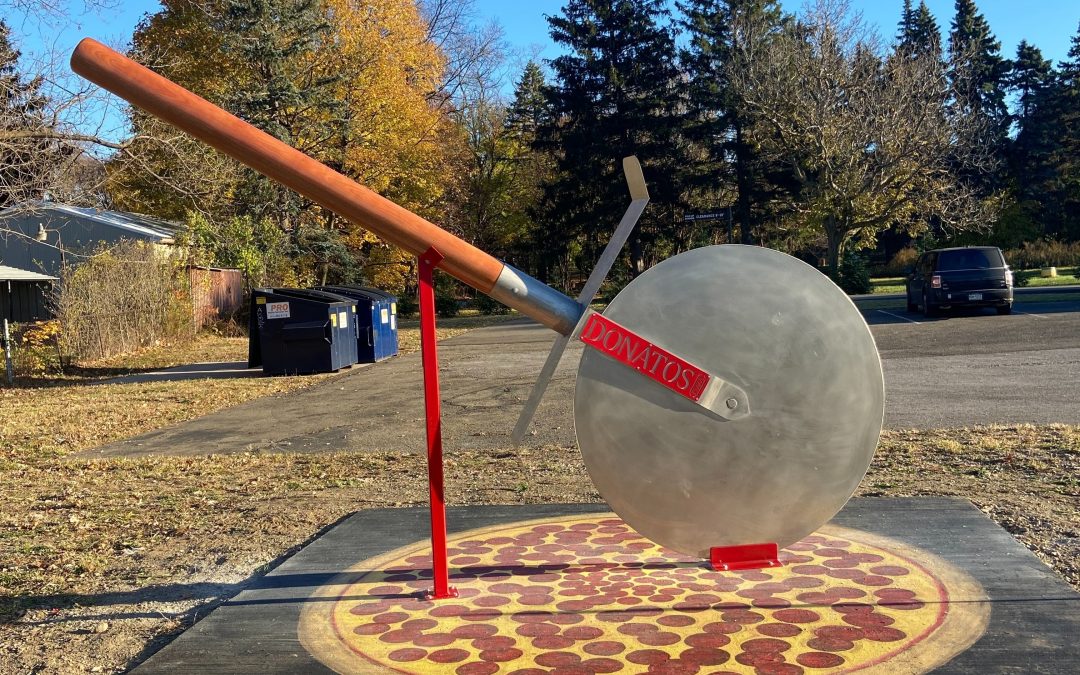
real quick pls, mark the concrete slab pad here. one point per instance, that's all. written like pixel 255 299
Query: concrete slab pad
pixel 891 585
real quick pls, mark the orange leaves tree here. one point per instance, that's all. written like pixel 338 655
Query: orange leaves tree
pixel 353 84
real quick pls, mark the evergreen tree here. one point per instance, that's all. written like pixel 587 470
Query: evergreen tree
pixel 1064 137
pixel 918 34
pixel 1028 79
pixel 1031 171
pixel 614 95
pixel 528 115
pixel 720 32
pixel 978 71
pixel 27 157
pixel 903 27
pixel 529 111
pixel 274 41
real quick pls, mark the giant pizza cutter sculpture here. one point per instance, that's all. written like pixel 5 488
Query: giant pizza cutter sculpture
pixel 730 398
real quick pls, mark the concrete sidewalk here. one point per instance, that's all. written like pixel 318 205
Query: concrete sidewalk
pixel 485 377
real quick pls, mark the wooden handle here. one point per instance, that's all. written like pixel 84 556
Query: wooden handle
pixel 284 164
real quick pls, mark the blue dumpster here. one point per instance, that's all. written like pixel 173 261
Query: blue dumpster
pixel 390 324
pixel 296 331
pixel 382 330
pixel 369 339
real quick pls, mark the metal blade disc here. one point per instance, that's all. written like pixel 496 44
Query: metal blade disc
pixel 783 332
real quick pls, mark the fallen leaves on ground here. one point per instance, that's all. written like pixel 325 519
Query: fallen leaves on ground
pixel 156 539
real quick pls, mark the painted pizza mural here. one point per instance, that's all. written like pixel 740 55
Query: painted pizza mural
pixel 589 595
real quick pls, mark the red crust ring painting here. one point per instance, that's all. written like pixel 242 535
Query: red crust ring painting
pixel 587 594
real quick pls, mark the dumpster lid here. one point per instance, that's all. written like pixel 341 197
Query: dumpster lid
pixel 306 294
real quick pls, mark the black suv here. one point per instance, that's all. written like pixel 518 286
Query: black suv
pixel 973 276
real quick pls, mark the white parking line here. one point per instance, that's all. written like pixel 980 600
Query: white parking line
pixel 899 317
pixel 1037 316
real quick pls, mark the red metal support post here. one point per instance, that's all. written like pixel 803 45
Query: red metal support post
pixel 428 261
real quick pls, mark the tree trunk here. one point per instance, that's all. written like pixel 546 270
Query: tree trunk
pixel 637 257
pixel 835 242
pixel 744 182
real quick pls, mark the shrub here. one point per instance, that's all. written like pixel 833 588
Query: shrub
pixel 1042 253
pixel 1023 278
pixel 854 275
pixel 486 305
pixel 446 304
pixel 407 305
pixel 37 351
pixel 125 297
pixel 904 260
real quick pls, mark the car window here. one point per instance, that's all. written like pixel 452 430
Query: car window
pixel 969 259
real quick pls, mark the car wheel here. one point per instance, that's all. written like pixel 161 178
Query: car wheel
pixel 928 309
pixel 1004 309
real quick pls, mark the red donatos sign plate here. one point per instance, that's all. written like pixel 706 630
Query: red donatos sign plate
pixel 652 361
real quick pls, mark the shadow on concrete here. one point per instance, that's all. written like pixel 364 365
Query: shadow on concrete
pixel 191 371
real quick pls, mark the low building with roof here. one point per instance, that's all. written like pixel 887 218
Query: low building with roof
pixel 24 295
pixel 45 236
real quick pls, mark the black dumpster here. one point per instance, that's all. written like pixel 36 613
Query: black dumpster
pixel 295 331
pixel 378 334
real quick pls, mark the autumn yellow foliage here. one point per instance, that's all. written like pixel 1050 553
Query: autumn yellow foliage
pixel 390 131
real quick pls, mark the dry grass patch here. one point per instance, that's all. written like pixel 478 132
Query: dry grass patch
pixel 144 545
pixel 1025 477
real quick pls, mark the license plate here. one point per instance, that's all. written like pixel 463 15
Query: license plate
pixel 974 296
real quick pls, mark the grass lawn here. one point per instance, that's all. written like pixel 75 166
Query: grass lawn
pixel 1066 276
pixel 887 285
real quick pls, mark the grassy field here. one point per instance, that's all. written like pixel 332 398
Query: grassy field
pixel 1066 276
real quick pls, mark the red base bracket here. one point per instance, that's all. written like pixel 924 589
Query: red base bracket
pixel 433 594
pixel 745 557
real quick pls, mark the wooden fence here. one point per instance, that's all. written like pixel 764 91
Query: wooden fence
pixel 215 293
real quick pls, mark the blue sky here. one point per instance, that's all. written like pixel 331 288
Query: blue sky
pixel 1048 24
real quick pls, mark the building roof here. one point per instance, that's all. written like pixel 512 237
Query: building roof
pixel 135 223
pixel 16 274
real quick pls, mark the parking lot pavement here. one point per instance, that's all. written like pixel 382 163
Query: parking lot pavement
pixel 485 377
pixel 947 372
pixel 980 368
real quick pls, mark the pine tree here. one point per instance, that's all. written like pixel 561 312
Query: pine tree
pixel 1030 156
pixel 1028 79
pixel 918 34
pixel 529 111
pixel 274 40
pixel 903 27
pixel 26 157
pixel 1065 137
pixel 978 71
pixel 719 126
pixel 528 115
pixel 614 94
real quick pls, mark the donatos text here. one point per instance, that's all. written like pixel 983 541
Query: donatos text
pixel 643 356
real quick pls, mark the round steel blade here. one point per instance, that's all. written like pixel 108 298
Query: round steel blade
pixel 779 329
